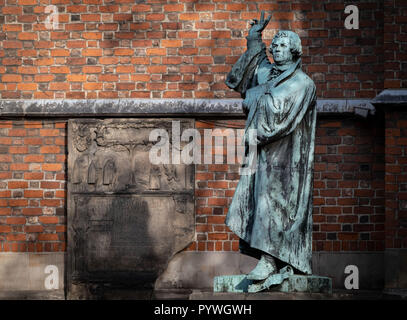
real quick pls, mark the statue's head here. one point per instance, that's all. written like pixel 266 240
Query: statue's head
pixel 286 47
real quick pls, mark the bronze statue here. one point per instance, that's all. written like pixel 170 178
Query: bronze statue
pixel 271 210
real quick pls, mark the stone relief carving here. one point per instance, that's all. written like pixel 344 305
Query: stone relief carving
pixel 109 172
pixel 155 178
pixel 80 168
pixel 92 174
pixel 82 137
pixel 126 216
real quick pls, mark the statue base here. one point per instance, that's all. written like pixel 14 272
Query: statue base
pixel 293 283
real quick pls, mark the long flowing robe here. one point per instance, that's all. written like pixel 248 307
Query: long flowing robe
pixel 271 209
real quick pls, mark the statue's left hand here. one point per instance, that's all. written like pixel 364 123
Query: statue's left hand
pixel 259 26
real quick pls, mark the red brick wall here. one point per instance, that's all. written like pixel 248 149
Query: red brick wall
pixel 32 186
pixel 348 187
pixel 395 43
pixel 184 49
pixel 396 179
pixel 178 48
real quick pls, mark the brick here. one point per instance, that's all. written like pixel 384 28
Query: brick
pixel 204 176
pixel 48 237
pixel 43 78
pixel 156 69
pixel 32 211
pixel 90 17
pixel 189 16
pixel 331 210
pixel 50 149
pixel 52 166
pixel 92 35
pixel 11 61
pixel 15 220
pixel 348 236
pixel 220 34
pixel 19 167
pixel 50 203
pixel 123 52
pixel 93 86
pixel 49 132
pixel 12 10
pixel 217 201
pixel 17 132
pixel 156 51
pixel 61 69
pixel 48 220
pixel 60 228
pixel 16 237
pixel 33 193
pixel 11 78
pixel 92 52
pixel 5 193
pixel 218 184
pixel 50 184
pixel 76 8
pixel 33 141
pixel 31 229
pixel 5 158
pixel 27 70
pixel 59 86
pixel 12 44
pixel 17 184
pixel 173 8
pixel 216 219
pixel 217 236
pixel 34 158
pixel 203 60
pixel 236 7
pixel 171 43
pixel 5 229
pixel 5 211
pixel 155 17
pixel 18 202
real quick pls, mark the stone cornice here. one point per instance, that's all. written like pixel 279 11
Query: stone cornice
pixel 391 98
pixel 159 107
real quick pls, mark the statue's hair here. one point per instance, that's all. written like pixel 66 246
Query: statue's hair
pixel 295 42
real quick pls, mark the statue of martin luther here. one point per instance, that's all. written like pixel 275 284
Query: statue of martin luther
pixel 271 210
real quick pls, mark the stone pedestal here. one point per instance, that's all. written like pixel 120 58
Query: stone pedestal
pixel 294 283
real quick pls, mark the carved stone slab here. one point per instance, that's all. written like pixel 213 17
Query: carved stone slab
pixel 126 216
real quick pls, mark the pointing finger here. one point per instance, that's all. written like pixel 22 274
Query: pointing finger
pixel 267 20
pixel 262 15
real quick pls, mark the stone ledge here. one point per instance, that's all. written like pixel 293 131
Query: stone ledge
pixel 391 97
pixel 336 295
pixel 159 107
pixel 32 295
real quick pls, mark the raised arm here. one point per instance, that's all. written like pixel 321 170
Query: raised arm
pixel 243 74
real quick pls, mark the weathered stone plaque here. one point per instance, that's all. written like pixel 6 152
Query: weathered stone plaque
pixel 126 216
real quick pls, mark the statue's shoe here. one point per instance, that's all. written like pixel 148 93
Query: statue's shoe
pixel 273 279
pixel 263 270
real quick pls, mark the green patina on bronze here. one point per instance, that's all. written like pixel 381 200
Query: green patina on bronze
pixel 271 210
pixel 293 283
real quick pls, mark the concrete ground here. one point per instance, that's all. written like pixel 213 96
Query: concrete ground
pixel 185 294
